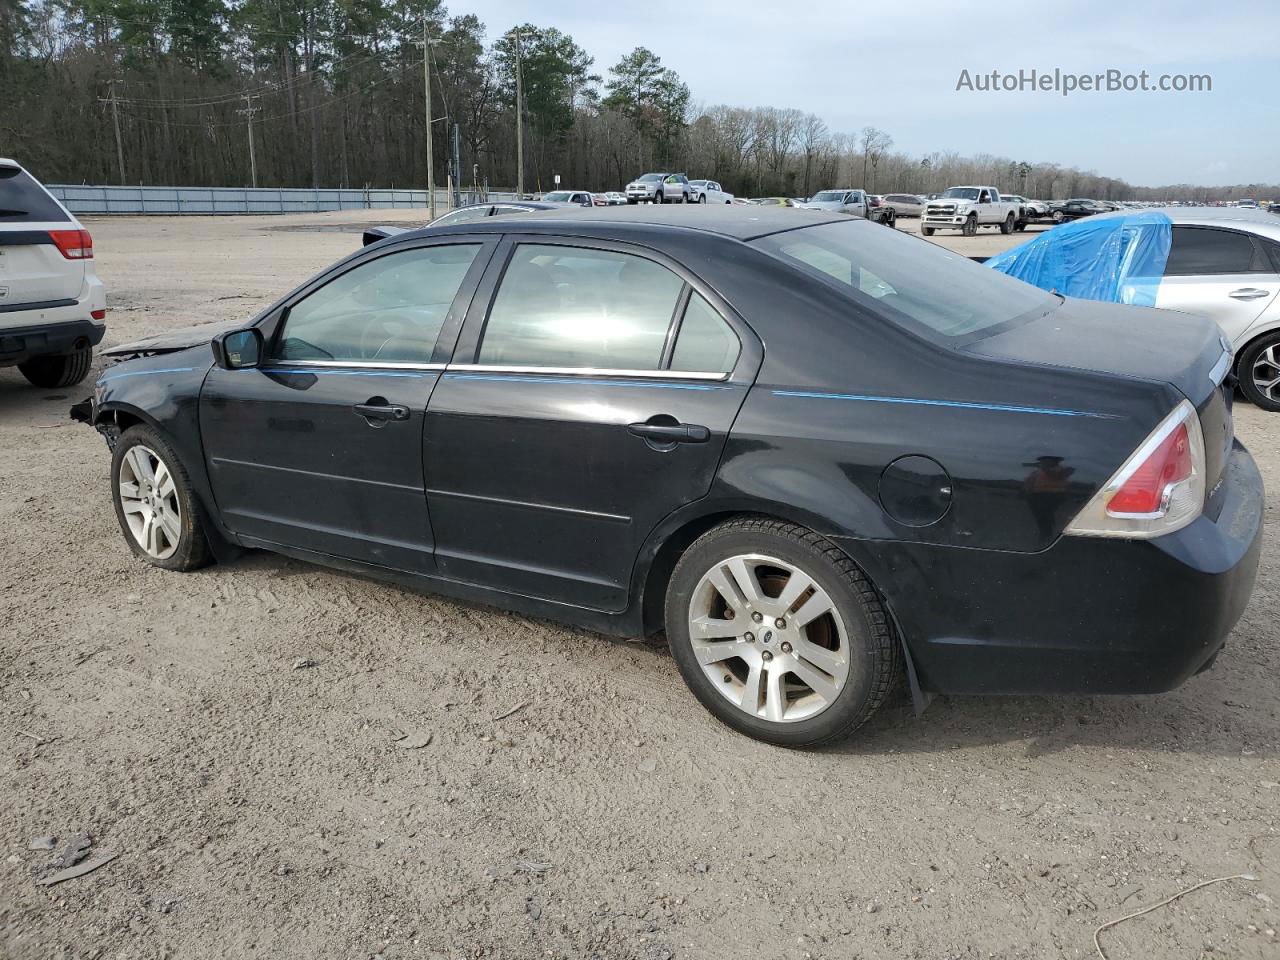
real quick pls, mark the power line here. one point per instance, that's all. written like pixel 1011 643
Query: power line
pixel 207 124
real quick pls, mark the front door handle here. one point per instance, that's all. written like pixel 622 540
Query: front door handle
pixel 381 411
pixel 671 432
pixel 1248 293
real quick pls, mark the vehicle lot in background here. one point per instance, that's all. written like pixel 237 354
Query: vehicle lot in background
pixel 52 304
pixel 579 198
pixel 905 204
pixel 223 774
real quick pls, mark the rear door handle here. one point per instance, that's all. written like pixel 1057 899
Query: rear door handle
pixel 378 411
pixel 1248 293
pixel 671 433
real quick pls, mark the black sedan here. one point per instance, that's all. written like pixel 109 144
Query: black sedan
pixel 1075 210
pixel 816 453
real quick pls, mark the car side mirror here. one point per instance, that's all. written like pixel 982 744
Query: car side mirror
pixel 238 350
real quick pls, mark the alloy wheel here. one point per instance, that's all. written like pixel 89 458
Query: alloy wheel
pixel 149 501
pixel 769 638
pixel 1266 373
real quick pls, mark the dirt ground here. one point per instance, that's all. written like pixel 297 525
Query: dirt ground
pixel 264 808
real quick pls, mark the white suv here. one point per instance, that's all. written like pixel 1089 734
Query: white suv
pixel 52 304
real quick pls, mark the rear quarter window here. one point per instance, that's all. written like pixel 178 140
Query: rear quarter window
pixel 22 200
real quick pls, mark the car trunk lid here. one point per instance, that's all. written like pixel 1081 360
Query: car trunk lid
pixel 33 269
pixel 1134 342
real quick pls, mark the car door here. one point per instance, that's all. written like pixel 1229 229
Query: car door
pixel 589 397
pixel 1225 274
pixel 320 447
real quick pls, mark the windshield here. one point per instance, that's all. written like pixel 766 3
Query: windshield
pixel 652 177
pixel 559 196
pixel 961 193
pixel 697 183
pixel 909 281
pixel 828 196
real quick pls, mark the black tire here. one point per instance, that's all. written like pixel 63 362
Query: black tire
pixel 970 228
pixel 62 370
pixel 658 198
pixel 1020 225
pixel 1007 226
pixel 1263 353
pixel 192 550
pixel 702 198
pixel 927 231
pixel 1058 216
pixel 875 656
pixel 891 220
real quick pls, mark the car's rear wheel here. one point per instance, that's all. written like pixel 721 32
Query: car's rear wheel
pixel 970 227
pixel 1007 227
pixel 779 634
pixel 154 502
pixel 63 370
pixel 1259 372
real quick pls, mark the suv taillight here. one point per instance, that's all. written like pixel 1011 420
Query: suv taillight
pixel 73 244
pixel 1159 489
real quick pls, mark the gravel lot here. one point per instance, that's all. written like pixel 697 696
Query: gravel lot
pixel 263 808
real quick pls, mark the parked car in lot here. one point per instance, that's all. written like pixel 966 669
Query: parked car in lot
pixel 850 201
pixel 1225 264
pixel 774 202
pixel 708 191
pixel 968 208
pixel 722 432
pixel 905 204
pixel 1075 209
pixel 580 198
pixel 615 198
pixel 53 307
pixel 1031 209
pixel 659 188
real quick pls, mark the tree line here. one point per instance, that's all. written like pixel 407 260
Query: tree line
pixel 331 93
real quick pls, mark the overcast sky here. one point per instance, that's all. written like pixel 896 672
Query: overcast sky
pixel 896 66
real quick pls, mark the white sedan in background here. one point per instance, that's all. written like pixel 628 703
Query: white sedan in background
pixel 708 191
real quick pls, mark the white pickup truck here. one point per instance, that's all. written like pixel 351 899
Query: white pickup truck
pixel 968 208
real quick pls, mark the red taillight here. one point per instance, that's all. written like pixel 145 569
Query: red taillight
pixel 98 314
pixel 1144 492
pixel 73 244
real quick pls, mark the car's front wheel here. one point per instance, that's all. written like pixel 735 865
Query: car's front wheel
pixel 1259 372
pixel 702 198
pixel 779 634
pixel 970 228
pixel 62 370
pixel 154 502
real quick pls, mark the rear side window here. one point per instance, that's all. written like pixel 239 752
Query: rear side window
pixel 561 306
pixel 909 281
pixel 1201 251
pixel 388 310
pixel 23 201
pixel 705 343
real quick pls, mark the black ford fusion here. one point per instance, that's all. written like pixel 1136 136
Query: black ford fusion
pixel 818 454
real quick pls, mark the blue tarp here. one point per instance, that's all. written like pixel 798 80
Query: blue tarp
pixel 1119 259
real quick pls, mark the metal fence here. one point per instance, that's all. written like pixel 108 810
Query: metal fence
pixel 215 200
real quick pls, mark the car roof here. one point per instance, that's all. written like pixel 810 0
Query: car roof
pixel 736 222
pixel 1202 215
pixel 6 162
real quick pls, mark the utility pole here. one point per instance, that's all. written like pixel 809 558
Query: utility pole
pixel 457 168
pixel 426 83
pixel 115 122
pixel 247 111
pixel 519 122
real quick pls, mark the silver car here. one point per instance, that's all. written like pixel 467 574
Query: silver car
pixel 1225 263
pixel 843 200
pixel 905 204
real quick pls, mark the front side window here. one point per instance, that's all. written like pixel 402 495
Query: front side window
pixel 388 310
pixel 705 344
pixel 907 280
pixel 562 306
pixel 1200 251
